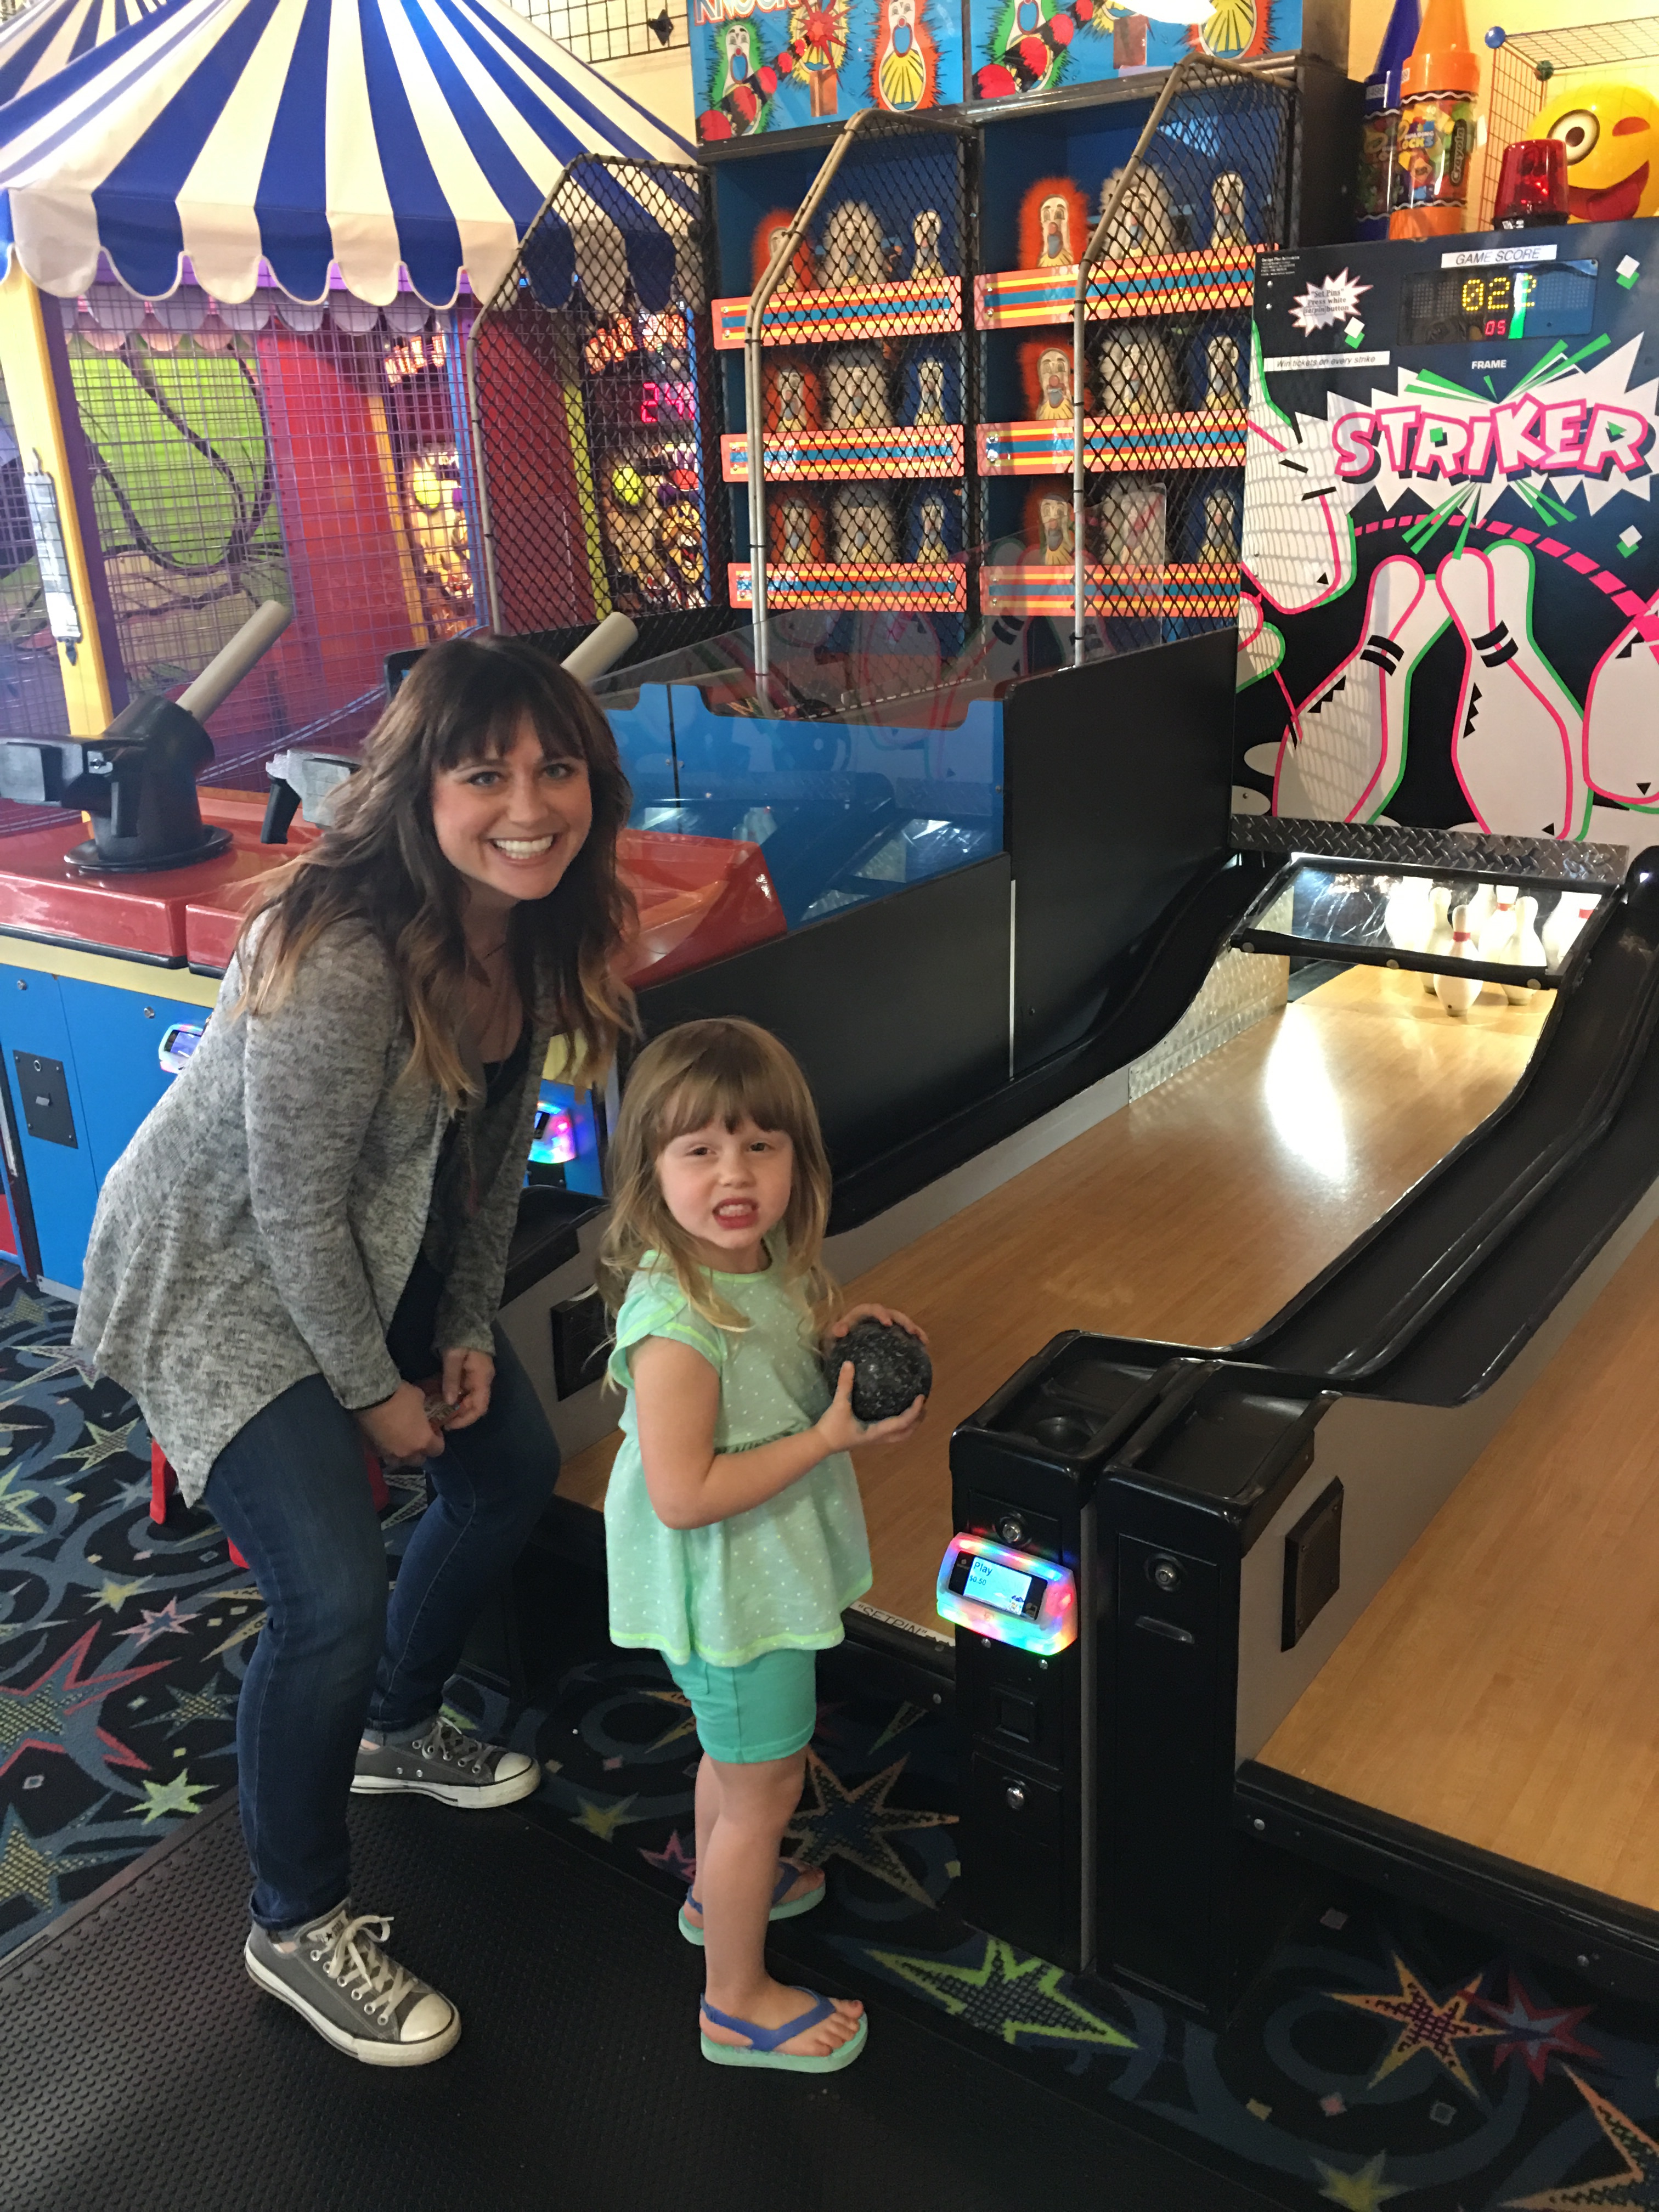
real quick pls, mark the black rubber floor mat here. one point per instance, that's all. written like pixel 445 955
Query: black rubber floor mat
pixel 144 2073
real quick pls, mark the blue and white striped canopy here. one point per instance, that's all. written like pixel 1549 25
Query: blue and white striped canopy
pixel 365 133
pixel 49 35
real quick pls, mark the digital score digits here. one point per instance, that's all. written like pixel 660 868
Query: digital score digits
pixel 1472 306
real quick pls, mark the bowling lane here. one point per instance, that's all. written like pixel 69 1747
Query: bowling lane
pixel 1499 1688
pixel 1192 1213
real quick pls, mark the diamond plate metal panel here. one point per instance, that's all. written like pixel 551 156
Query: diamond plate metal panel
pixel 1238 990
pixel 1384 842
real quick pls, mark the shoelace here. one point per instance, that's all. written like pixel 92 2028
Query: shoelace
pixel 443 1740
pixel 353 1958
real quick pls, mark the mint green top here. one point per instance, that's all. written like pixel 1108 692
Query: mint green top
pixel 778 1577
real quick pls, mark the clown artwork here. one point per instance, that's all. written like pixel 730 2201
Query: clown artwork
pixel 1025 55
pixel 740 86
pixel 1053 224
pixel 435 518
pixel 1056 219
pixel 818 37
pixel 1056 538
pixel 1054 376
pixel 904 70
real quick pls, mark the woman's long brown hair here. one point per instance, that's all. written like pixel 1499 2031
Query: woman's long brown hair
pixel 378 863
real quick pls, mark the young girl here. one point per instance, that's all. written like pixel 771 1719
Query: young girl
pixel 733 1530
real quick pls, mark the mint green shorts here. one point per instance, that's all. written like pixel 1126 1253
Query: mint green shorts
pixel 767 1710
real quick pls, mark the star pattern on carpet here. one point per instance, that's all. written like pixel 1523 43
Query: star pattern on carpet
pixel 1424 2023
pixel 601 1820
pixel 25 1869
pixel 189 1706
pixel 674 1858
pixel 854 1823
pixel 15 1519
pixel 58 1711
pixel 1535 2034
pixel 1007 1993
pixel 115 1596
pixel 1635 2190
pixel 904 1717
pixel 165 1620
pixel 1358 2189
pixel 177 1795
pixel 105 1443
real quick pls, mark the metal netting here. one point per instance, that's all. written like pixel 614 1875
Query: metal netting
pixel 1535 70
pixel 599 433
pixel 600 31
pixel 317 455
pixel 1156 346
pixel 31 676
pixel 859 365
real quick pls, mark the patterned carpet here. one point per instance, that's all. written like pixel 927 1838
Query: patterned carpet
pixel 1383 2056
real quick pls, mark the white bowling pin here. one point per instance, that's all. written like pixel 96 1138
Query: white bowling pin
pixel 1560 933
pixel 1496 938
pixel 1344 754
pixel 1481 903
pixel 1439 939
pixel 1518 730
pixel 1457 994
pixel 1621 715
pixel 1409 914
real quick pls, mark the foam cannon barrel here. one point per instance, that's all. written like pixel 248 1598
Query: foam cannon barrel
pixel 138 781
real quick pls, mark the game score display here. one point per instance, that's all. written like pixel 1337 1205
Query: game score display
pixel 1476 307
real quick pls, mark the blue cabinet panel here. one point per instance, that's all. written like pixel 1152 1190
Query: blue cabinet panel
pixel 116 1036
pixel 63 1179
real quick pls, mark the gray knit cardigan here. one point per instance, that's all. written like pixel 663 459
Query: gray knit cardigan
pixel 263 1222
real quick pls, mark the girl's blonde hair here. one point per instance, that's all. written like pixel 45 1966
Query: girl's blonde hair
pixel 378 862
pixel 725 1071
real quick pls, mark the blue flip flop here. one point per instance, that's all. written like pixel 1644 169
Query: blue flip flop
pixel 787 1877
pixel 763 2049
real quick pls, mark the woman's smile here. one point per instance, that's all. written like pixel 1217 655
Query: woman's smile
pixel 512 824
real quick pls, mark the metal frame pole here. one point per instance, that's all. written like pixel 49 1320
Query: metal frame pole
pixel 1189 65
pixel 754 384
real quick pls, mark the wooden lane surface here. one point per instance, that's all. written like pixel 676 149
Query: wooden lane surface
pixel 1191 1214
pixel 1499 1688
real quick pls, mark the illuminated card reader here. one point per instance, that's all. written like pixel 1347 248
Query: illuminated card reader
pixel 1012 1596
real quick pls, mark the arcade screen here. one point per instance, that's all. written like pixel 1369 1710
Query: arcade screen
pixel 564 1145
pixel 1009 1591
pixel 1463 307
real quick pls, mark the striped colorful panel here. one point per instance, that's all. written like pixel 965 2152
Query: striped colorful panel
pixel 1165 284
pixel 934 587
pixel 878 310
pixel 1187 440
pixel 1188 588
pixel 842 455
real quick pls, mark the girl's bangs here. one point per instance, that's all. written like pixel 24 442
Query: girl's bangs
pixel 729 1096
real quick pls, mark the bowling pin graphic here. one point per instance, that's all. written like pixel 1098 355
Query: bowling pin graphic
pixel 1457 994
pixel 1261 646
pixel 1440 942
pixel 1518 730
pixel 1346 750
pixel 1621 714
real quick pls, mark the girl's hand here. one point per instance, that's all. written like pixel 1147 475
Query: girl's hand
pixel 469 1377
pixel 841 1429
pixel 398 1429
pixel 890 1315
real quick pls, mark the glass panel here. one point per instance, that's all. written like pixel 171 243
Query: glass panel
pixel 1360 911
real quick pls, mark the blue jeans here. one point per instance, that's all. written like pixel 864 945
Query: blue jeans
pixel 333 1657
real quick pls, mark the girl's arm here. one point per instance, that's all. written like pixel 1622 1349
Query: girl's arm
pixel 677 1397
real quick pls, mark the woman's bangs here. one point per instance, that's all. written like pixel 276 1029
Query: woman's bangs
pixel 493 739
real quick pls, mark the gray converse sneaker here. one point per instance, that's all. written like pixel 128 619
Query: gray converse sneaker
pixel 455 1768
pixel 338 1977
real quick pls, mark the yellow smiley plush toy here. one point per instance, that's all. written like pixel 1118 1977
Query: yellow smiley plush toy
pixel 1611 132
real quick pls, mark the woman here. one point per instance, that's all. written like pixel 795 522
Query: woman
pixel 303 1248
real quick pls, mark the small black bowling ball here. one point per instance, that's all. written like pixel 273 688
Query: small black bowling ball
pixel 890 1367
pixel 1065 1432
